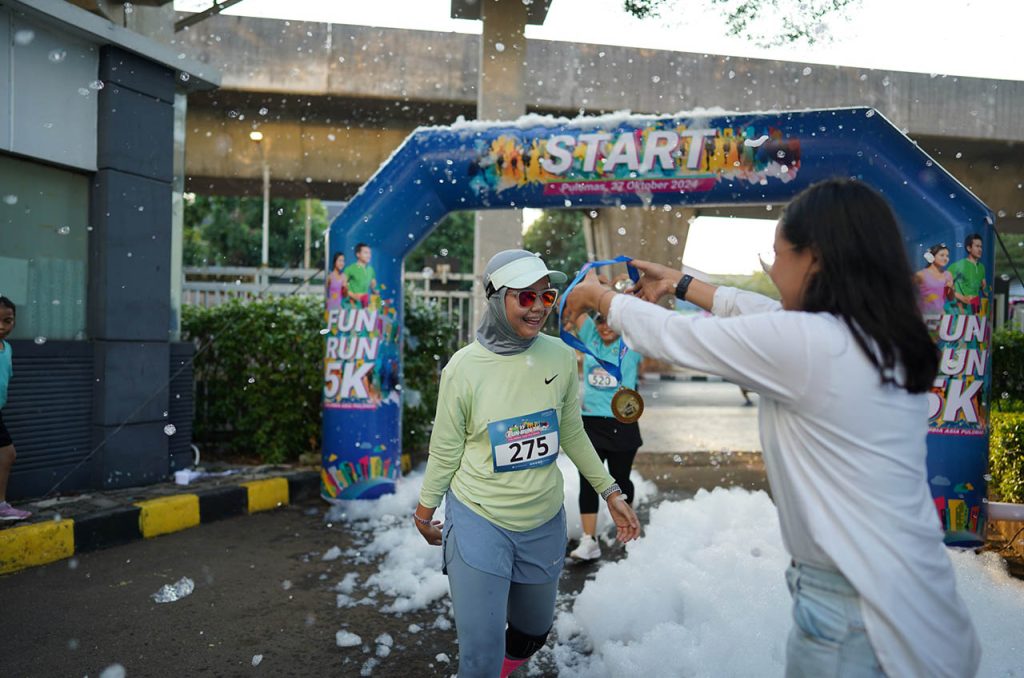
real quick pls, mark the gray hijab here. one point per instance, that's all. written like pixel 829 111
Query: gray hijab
pixel 495 332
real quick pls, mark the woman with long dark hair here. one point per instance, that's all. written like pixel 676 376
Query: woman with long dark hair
pixel 843 367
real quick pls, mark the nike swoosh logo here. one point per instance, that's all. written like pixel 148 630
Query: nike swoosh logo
pixel 548 381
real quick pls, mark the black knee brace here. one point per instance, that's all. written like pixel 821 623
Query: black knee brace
pixel 519 645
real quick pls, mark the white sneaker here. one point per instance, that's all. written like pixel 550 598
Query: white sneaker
pixel 589 549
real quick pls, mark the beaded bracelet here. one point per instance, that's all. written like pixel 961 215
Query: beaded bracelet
pixel 422 521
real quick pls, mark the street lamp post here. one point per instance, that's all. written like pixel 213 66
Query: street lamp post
pixel 257 137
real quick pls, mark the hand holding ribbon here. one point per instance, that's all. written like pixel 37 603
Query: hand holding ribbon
pixel 626 405
pixel 614 369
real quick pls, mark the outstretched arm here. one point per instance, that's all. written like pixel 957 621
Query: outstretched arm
pixel 766 352
pixel 659 281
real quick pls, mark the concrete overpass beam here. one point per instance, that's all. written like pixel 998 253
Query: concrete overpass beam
pixel 223 159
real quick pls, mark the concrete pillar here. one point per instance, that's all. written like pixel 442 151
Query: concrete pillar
pixel 500 96
pixel 156 23
pixel 654 234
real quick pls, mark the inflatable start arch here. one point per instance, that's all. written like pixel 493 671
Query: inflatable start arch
pixel 686 159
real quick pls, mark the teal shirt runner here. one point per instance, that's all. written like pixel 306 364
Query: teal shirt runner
pixel 598 384
pixel 6 369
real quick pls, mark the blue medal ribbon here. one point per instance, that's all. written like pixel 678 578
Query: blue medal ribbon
pixel 614 369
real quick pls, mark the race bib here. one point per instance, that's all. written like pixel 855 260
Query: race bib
pixel 599 378
pixel 524 442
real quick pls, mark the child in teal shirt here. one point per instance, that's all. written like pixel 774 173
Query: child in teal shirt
pixel 615 442
pixel 7 454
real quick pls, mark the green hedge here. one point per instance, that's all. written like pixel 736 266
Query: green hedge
pixel 1006 457
pixel 430 340
pixel 259 374
pixel 1008 370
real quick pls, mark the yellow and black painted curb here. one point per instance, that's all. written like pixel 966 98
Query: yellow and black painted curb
pixel 48 541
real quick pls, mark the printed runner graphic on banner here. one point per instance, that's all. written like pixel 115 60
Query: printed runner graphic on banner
pixel 361 367
pixel 954 299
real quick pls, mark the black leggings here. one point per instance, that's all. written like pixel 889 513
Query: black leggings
pixel 620 463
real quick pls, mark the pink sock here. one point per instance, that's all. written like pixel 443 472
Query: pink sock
pixel 510 665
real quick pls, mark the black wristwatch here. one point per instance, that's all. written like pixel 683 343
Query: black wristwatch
pixel 682 286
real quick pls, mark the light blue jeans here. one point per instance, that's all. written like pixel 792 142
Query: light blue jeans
pixel 828 638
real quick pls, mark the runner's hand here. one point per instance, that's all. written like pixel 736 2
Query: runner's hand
pixel 584 296
pixel 626 523
pixel 431 533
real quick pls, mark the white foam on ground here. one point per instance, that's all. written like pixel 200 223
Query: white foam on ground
pixel 703 593
pixel 692 597
pixel 347 639
pixel 410 569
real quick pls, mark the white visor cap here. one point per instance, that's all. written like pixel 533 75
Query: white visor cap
pixel 524 270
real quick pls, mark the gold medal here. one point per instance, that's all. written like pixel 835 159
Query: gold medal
pixel 627 405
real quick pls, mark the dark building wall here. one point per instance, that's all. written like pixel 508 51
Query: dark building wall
pixel 129 270
pixel 181 410
pixel 95 413
pixel 51 410
pixel 49 416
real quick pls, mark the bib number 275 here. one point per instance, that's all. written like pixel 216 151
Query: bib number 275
pixel 528 449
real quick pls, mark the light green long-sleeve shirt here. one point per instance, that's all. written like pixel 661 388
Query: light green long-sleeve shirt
pixel 479 387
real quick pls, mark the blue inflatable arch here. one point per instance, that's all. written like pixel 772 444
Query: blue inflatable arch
pixel 686 159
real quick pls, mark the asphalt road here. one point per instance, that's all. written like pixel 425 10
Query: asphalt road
pixel 689 416
pixel 262 587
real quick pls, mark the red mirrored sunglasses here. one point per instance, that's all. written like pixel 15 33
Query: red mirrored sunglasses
pixel 528 297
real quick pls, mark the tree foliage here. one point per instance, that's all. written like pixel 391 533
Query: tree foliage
pixel 1011 266
pixel 1007 348
pixel 228 231
pixel 1006 456
pixel 558 237
pixel 259 374
pixel 451 239
pixel 766 22
pixel 430 340
pixel 757 282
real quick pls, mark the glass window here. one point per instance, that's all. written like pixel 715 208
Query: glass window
pixel 44 215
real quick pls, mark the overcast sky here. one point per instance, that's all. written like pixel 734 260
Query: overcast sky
pixel 952 37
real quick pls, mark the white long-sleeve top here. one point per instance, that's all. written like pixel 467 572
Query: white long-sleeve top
pixel 845 458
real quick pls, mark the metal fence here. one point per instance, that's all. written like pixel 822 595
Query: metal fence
pixel 452 292
pixel 215 285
